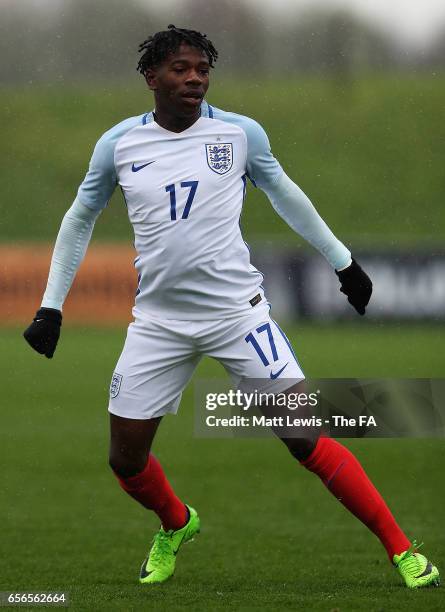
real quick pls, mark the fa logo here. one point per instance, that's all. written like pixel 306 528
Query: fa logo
pixel 220 157
pixel 115 385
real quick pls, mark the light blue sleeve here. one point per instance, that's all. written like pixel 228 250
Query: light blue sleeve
pixel 289 201
pixel 261 167
pixel 101 180
pixel 69 251
pixel 293 205
pixel 78 223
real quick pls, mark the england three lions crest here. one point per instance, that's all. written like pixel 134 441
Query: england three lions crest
pixel 220 157
pixel 115 385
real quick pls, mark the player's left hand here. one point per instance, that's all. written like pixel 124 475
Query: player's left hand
pixel 356 285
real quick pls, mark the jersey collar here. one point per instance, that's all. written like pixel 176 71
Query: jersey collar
pixel 206 111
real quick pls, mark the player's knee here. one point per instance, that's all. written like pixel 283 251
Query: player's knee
pixel 300 448
pixel 124 466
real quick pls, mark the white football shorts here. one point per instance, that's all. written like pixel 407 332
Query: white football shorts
pixel 160 356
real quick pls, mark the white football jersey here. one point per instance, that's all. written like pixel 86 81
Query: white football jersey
pixel 184 194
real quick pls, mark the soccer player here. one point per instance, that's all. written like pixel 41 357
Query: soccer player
pixel 183 170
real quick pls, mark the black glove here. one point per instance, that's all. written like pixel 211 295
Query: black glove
pixel 357 285
pixel 44 331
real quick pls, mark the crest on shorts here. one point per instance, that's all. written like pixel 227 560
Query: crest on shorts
pixel 219 157
pixel 115 384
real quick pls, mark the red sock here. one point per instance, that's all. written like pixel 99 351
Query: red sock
pixel 152 489
pixel 345 478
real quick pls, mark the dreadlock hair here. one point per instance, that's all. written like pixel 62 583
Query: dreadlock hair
pixel 157 47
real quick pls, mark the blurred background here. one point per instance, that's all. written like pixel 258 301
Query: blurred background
pixel 352 96
pixel 350 92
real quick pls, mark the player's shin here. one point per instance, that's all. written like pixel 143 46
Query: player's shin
pixel 345 478
pixel 152 489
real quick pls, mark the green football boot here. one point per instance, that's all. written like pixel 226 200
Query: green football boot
pixel 160 563
pixel 415 569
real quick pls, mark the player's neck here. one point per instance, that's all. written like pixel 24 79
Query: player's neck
pixel 174 123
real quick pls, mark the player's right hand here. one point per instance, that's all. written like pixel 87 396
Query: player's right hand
pixel 43 333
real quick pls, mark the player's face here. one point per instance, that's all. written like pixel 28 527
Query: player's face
pixel 181 81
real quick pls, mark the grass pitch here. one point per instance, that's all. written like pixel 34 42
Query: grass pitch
pixel 272 536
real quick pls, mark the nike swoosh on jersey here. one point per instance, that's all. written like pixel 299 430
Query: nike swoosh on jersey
pixel 276 374
pixel 137 168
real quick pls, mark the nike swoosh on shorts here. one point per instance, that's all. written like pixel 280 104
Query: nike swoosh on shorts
pixel 273 376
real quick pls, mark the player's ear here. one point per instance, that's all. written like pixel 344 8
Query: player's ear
pixel 150 78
